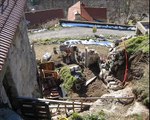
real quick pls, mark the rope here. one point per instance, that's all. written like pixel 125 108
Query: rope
pixel 126 69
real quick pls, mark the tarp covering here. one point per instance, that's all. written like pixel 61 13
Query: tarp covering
pixel 89 42
pixel 102 26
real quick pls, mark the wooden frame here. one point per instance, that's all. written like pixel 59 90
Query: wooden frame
pixel 31 109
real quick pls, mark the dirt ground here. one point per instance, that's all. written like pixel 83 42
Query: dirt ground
pixel 96 88
pixel 40 50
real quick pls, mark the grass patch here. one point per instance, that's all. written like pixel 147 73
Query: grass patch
pixel 76 116
pixel 140 43
pixel 69 80
pixel 98 116
pixel 135 117
pixel 61 40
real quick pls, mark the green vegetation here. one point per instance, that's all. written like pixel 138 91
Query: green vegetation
pixel 76 116
pixel 69 80
pixel 137 44
pixel 61 40
pixel 135 117
pixel 94 29
pixel 141 88
pixel 99 116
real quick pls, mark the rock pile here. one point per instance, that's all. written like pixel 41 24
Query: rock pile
pixel 109 68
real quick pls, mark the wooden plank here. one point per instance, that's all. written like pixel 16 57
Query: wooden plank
pixel 141 28
pixel 73 106
pixel 24 110
pixel 63 102
pixel 65 106
pixel 89 81
pixel 55 101
pixel 47 66
pixel 94 98
pixel 34 109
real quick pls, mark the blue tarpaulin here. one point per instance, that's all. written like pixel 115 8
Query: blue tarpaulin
pixel 102 26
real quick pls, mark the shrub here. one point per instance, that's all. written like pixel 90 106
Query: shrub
pixel 99 116
pixel 69 80
pixel 76 116
pixel 137 44
pixel 94 29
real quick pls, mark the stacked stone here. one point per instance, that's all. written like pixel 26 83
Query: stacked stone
pixel 114 60
pixel 90 56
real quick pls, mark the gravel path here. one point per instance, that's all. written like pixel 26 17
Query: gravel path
pixel 77 32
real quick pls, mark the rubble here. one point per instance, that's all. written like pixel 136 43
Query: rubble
pixel 138 109
pixel 112 104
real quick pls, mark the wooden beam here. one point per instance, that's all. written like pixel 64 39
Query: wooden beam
pixel 90 80
pixel 94 98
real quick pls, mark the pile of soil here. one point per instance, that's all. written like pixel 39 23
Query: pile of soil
pixel 95 89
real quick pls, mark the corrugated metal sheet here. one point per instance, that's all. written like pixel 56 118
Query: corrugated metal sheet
pixel 44 16
pixel 9 20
